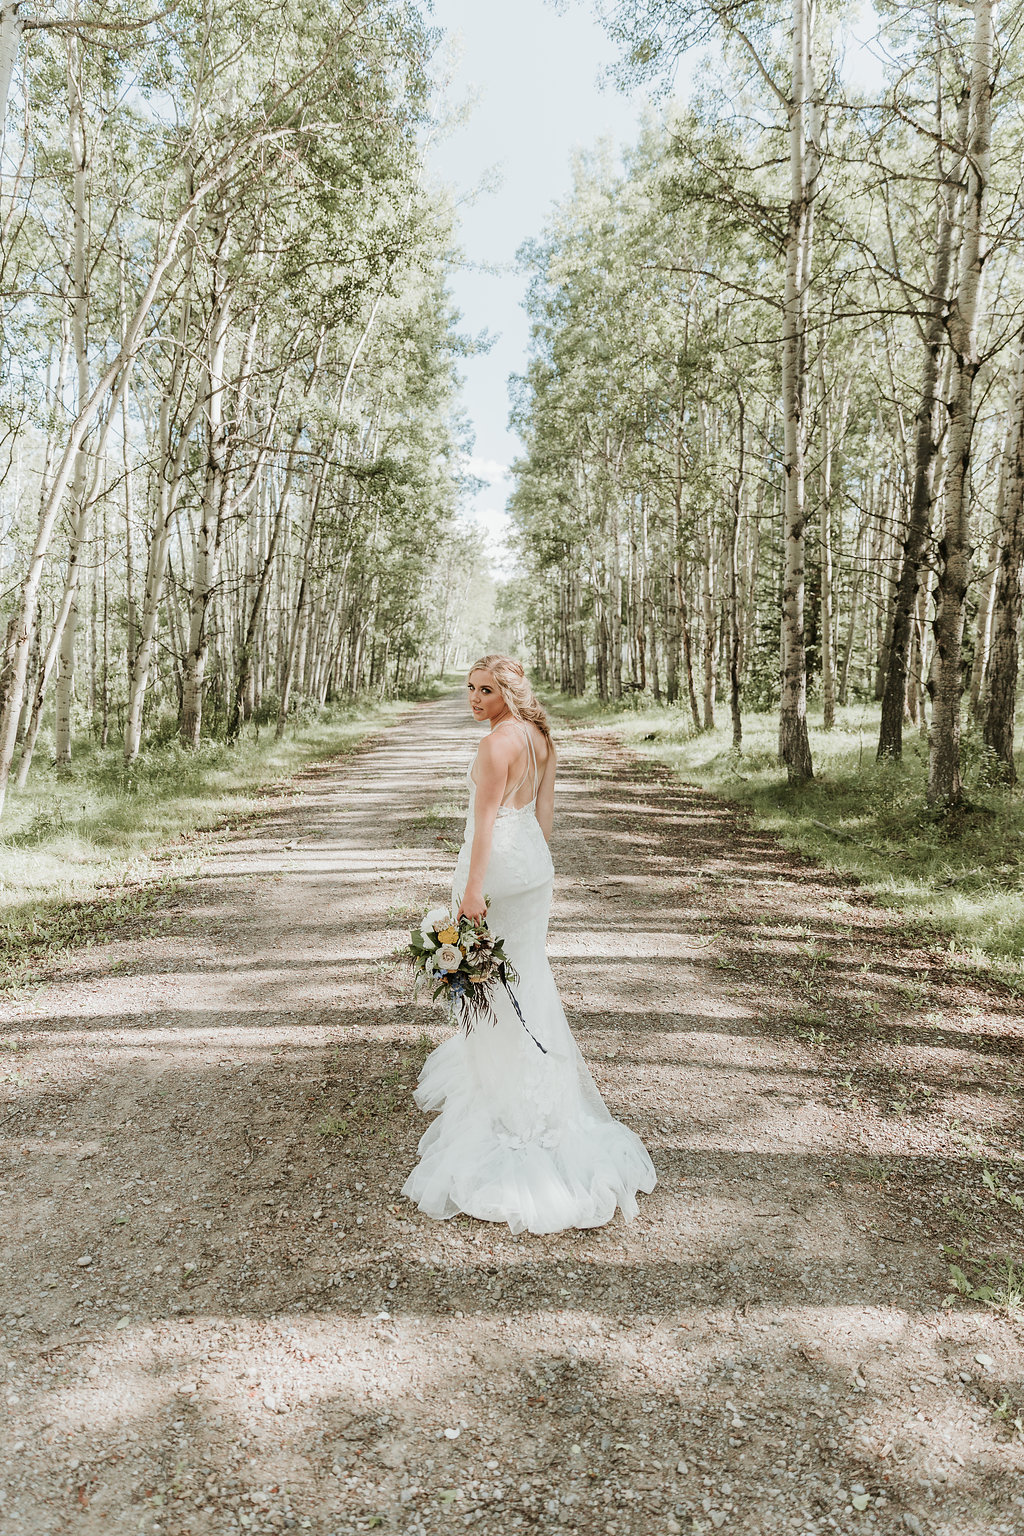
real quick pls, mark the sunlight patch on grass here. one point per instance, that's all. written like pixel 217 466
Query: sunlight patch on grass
pixel 959 875
pixel 80 852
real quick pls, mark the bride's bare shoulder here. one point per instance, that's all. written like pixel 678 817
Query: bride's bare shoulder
pixel 497 748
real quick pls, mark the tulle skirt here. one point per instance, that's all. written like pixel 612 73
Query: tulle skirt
pixel 522 1135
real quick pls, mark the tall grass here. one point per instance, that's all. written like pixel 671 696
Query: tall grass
pixel 79 850
pixel 959 875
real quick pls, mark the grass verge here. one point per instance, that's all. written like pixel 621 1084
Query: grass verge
pixel 82 854
pixel 958 875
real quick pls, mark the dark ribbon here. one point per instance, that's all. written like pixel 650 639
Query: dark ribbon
pixel 519 1013
pixel 459 989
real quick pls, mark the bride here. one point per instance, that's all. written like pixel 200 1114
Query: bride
pixel 523 1135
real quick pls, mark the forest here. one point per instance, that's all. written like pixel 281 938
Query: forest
pixel 773 414
pixel 230 442
pixel 771 419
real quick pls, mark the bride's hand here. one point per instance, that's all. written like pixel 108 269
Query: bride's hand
pixel 473 906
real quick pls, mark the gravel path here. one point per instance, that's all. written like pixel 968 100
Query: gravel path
pixel 219 1315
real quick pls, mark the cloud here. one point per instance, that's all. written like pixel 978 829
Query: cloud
pixel 495 525
pixel 488 469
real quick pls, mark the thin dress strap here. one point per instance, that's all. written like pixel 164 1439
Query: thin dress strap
pixel 510 794
pixel 533 756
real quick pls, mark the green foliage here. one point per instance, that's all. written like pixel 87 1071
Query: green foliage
pixel 656 466
pixel 317 520
pixel 996 1280
pixel 958 874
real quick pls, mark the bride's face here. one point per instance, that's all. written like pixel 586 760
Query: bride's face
pixel 485 699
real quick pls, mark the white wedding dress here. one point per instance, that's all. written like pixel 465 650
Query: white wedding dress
pixel 523 1135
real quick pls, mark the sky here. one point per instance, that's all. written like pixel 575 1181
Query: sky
pixel 534 76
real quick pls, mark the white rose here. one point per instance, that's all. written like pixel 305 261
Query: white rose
pixel 437 917
pixel 448 957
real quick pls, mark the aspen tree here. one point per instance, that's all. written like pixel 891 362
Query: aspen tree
pixel 944 777
pixel 802 107
pixel 987 600
pixel 1001 700
pixel 926 441
pixel 218 166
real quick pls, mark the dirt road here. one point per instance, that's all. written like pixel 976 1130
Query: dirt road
pixel 218 1314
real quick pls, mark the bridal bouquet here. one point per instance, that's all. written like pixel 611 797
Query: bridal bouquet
pixel 466 962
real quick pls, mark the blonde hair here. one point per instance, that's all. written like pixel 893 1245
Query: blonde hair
pixel 514 687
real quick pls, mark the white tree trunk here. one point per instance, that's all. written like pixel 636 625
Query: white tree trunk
pixel 944 783
pixel 79 335
pixel 986 605
pixel 794 746
pixel 1001 702
pixel 208 537
pixel 116 374
pixel 10 41
pixel 833 432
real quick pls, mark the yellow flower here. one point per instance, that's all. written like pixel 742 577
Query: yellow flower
pixel 448 935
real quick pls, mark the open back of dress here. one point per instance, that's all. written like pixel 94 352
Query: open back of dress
pixel 524 776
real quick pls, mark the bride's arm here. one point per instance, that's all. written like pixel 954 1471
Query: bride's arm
pixel 546 794
pixel 491 776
